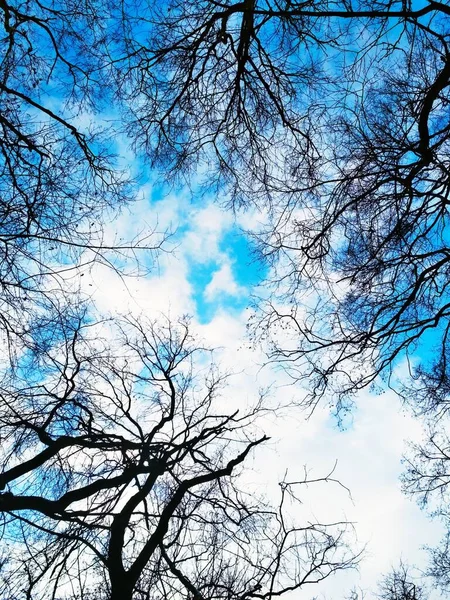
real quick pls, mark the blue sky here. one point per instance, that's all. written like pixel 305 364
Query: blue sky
pixel 211 273
pixel 244 268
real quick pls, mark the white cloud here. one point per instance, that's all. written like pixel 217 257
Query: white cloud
pixel 207 225
pixel 223 282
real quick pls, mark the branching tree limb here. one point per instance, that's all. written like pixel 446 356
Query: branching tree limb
pixel 120 474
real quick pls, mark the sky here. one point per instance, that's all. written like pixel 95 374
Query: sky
pixel 210 274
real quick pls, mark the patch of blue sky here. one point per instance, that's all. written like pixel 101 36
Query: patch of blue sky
pixel 234 250
pixel 246 269
pixel 427 350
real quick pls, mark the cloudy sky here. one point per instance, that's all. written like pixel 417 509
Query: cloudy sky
pixel 210 275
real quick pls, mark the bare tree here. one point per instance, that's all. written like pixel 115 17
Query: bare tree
pixel 371 258
pixel 244 84
pixel 333 118
pixel 120 476
pixel 427 478
pixel 60 179
pixel 400 585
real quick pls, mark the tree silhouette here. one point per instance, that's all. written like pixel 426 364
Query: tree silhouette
pixel 399 585
pixel 59 177
pixel 332 117
pixel 426 478
pixel 120 476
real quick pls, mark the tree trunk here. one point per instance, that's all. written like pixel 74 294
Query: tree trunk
pixel 121 588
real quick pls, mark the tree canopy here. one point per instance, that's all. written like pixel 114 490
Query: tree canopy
pixel 120 477
pixel 61 178
pixel 333 118
pixel 329 118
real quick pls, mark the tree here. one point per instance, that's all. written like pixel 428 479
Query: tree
pixel 377 253
pixel 399 585
pixel 333 118
pixel 120 476
pixel 60 179
pixel 427 479
pixel 330 116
